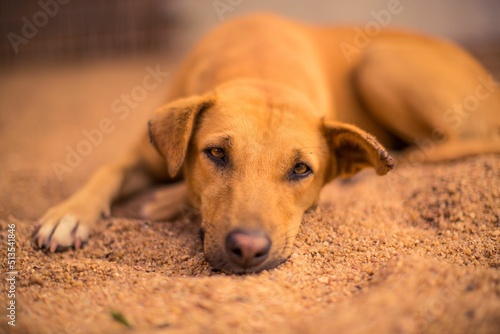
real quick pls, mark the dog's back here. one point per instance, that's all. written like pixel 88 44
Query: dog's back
pixel 356 83
pixel 262 46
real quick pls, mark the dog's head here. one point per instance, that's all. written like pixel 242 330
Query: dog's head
pixel 254 162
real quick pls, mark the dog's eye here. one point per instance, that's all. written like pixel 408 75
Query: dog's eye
pixel 217 155
pixel 300 171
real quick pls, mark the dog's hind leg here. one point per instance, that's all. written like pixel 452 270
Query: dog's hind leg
pixel 70 222
pixel 433 95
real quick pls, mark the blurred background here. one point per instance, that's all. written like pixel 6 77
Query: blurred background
pixel 82 30
pixel 67 66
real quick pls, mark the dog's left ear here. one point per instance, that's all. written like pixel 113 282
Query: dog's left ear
pixel 352 149
pixel 171 127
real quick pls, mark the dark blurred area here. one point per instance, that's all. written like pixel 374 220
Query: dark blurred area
pixel 49 31
pixel 58 30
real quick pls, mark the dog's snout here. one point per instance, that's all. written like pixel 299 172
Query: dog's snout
pixel 247 248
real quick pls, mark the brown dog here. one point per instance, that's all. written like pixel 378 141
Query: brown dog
pixel 265 111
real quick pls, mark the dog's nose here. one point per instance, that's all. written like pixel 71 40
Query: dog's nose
pixel 247 248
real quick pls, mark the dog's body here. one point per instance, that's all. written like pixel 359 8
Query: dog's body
pixel 258 121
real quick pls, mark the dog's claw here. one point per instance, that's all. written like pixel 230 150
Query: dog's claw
pixel 40 242
pixel 53 246
pixel 60 231
pixel 78 243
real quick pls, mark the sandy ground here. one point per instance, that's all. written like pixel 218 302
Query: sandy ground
pixel 417 251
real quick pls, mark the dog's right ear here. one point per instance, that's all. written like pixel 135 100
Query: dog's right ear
pixel 171 127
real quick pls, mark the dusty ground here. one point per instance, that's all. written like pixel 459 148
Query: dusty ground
pixel 417 251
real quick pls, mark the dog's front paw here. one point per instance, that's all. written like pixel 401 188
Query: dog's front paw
pixel 66 225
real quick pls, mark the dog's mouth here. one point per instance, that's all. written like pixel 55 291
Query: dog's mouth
pixel 225 266
pixel 244 252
